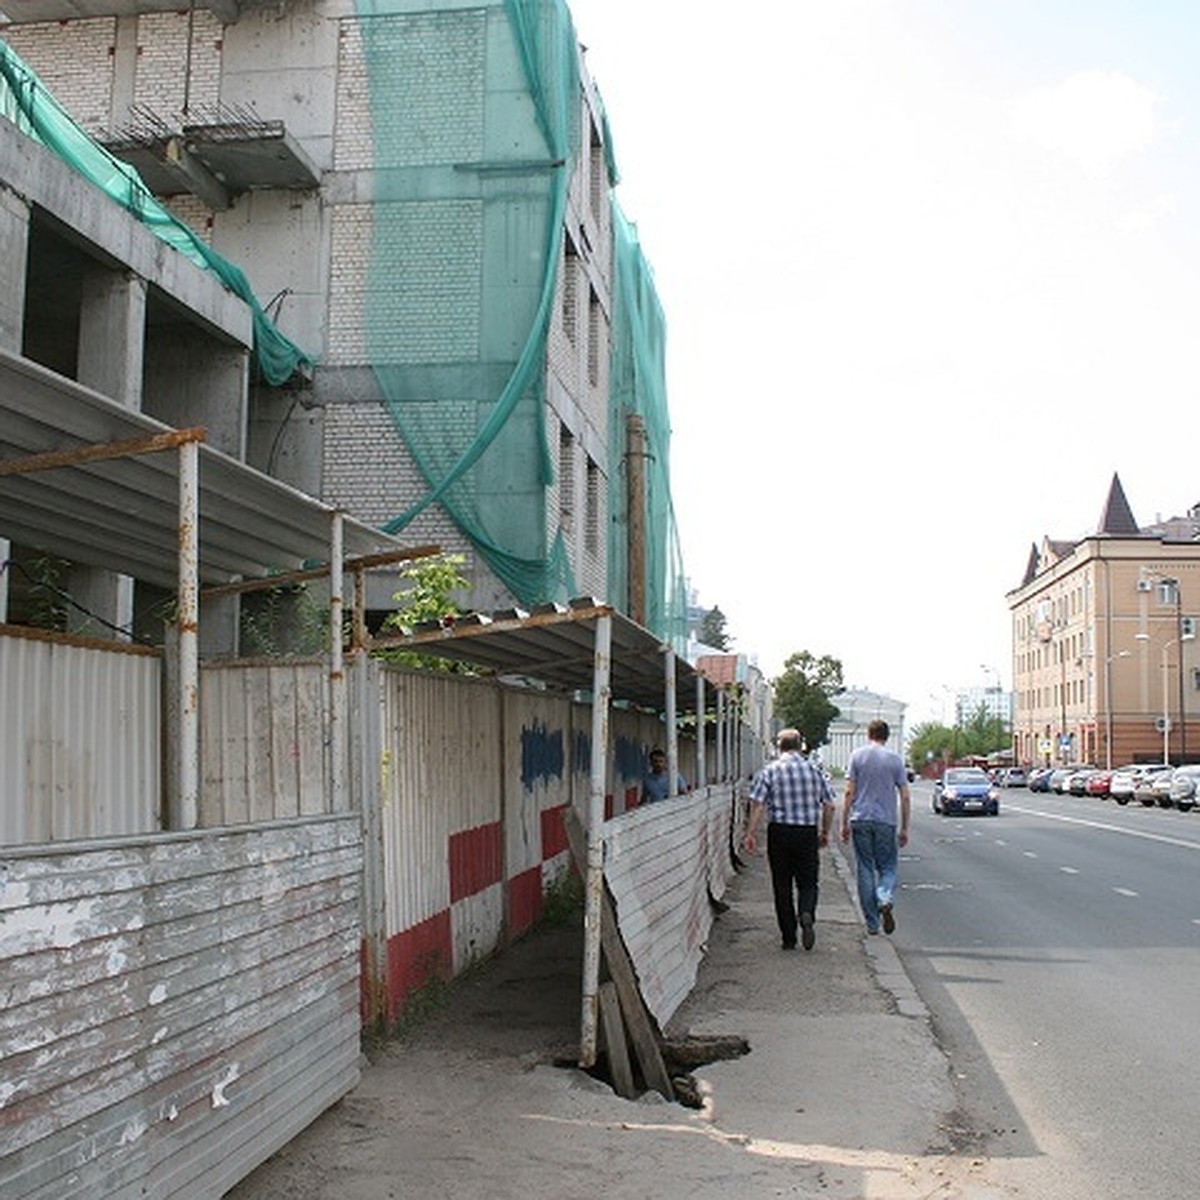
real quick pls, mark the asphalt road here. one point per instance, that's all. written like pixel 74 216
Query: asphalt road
pixel 1058 948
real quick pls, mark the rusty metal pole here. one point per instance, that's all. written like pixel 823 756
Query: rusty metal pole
pixel 594 882
pixel 186 814
pixel 671 723
pixel 635 477
pixel 337 673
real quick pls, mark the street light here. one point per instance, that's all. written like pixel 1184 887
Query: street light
pixel 1108 706
pixel 1166 704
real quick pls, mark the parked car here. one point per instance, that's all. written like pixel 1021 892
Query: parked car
pixel 1185 781
pixel 1060 777
pixel 1015 777
pixel 1077 781
pixel 1162 788
pixel 1039 779
pixel 964 790
pixel 1143 788
pixel 1098 783
pixel 1124 780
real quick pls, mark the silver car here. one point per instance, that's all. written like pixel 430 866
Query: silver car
pixel 1184 782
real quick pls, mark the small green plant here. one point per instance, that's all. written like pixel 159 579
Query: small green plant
pixel 430 597
pixel 562 902
pixel 284 620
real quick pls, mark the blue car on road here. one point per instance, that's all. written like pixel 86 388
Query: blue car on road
pixel 963 790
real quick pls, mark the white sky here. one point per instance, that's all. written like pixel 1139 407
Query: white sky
pixel 931 275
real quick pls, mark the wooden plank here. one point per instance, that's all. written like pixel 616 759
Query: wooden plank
pixel 615 1047
pixel 637 1018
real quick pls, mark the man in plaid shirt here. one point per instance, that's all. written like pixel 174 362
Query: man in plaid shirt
pixel 799 805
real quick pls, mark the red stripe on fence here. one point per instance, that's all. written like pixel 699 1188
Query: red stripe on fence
pixel 554 832
pixel 416 956
pixel 474 860
pixel 524 901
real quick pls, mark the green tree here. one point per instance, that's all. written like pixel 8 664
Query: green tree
pixel 933 742
pixel 712 630
pixel 803 695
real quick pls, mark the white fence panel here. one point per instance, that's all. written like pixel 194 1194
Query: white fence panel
pixel 79 738
pixel 662 862
pixel 262 741
pixel 177 1007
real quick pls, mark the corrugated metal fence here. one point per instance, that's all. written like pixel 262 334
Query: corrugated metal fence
pixel 176 1008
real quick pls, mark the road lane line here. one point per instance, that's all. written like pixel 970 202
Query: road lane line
pixel 1126 892
pixel 1138 833
pixel 1029 853
pixel 1069 870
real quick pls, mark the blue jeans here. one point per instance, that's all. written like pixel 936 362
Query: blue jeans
pixel 875 853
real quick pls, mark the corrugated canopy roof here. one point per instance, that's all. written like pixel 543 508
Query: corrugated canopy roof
pixel 122 513
pixel 556 645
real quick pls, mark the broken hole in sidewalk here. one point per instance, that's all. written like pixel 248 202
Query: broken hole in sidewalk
pixel 679 1058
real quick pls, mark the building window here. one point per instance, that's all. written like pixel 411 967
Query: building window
pixel 570 285
pixel 597 176
pixel 591 529
pixel 566 479
pixel 595 325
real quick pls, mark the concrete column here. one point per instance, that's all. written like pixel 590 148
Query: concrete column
pixel 112 334
pixel 14 255
pixel 112 326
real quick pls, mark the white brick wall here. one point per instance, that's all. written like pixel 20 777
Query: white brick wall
pixel 74 60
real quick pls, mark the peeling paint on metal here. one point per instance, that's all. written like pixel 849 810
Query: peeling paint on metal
pixel 158 993
pixel 219 1099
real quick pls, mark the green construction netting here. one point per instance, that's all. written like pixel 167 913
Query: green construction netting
pixel 466 245
pixel 27 103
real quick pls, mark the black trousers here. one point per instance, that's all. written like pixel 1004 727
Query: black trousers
pixel 794 855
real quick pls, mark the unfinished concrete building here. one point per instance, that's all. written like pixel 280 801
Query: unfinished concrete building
pixel 420 190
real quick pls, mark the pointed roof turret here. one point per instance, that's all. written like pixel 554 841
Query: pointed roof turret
pixel 1031 566
pixel 1117 518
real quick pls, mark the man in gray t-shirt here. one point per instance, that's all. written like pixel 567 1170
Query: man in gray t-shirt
pixel 876 785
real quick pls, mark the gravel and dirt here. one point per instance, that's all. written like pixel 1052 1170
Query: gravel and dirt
pixel 844 1093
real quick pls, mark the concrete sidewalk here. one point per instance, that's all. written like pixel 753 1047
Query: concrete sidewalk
pixel 844 1093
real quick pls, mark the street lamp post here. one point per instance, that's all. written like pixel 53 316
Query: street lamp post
pixel 1108 707
pixel 1166 691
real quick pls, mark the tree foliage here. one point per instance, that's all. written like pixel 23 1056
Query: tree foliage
pixel 803 695
pixel 712 630
pixel 978 735
pixel 430 596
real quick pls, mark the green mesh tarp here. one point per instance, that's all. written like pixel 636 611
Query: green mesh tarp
pixel 476 131
pixel 25 101
pixel 638 385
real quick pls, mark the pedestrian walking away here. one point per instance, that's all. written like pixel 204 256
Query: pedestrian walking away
pixel 876 787
pixel 799 806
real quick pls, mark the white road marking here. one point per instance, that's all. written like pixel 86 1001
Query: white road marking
pixel 1138 833
pixel 1125 892
pixel 1069 870
pixel 1029 854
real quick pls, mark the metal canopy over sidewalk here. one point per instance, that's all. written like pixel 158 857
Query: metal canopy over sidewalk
pixel 121 513
pixel 554 644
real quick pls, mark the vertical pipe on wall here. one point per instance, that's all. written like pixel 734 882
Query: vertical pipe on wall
pixel 701 776
pixel 187 806
pixel 594 883
pixel 720 732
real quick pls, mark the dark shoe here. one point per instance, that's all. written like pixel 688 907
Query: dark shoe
pixel 787 945
pixel 873 930
pixel 889 920
pixel 808 935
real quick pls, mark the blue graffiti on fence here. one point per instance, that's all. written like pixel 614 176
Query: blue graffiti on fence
pixel 542 755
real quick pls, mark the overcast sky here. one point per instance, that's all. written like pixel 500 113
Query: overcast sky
pixel 931 272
